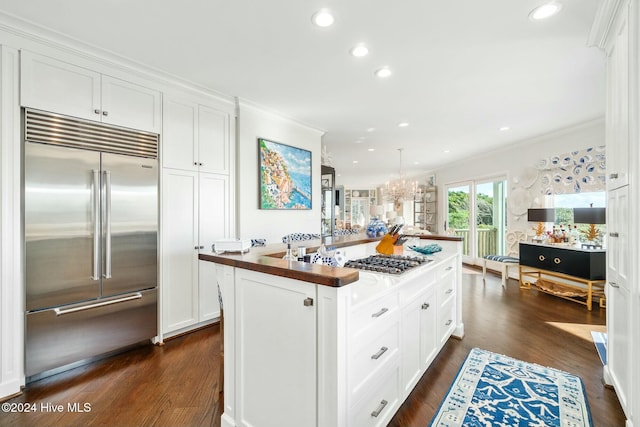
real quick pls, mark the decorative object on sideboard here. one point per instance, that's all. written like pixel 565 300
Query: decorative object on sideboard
pixel 540 216
pixel 591 216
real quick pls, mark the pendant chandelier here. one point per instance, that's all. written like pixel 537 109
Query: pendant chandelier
pixel 400 189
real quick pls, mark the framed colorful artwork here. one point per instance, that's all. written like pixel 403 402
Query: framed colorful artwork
pixel 285 176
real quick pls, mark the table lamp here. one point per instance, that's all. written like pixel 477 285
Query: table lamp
pixel 591 216
pixel 541 215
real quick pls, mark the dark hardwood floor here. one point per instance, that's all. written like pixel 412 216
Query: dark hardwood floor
pixel 175 385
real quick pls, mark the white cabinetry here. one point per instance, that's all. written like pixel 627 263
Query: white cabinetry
pixel 350 355
pixel 619 310
pixel 195 137
pixel 616 30
pixel 195 212
pixel 60 87
pixel 275 350
pixel 419 336
pixel 196 209
pixel 447 284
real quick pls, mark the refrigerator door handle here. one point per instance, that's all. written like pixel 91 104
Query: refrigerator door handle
pixel 96 224
pixel 62 311
pixel 107 238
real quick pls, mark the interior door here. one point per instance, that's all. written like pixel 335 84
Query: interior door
pixel 130 223
pixel 61 195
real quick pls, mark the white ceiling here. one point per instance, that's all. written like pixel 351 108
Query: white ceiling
pixel 462 68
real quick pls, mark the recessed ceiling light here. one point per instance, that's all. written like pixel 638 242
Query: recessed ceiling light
pixel 371 129
pixel 359 50
pixel 355 161
pixel 416 163
pixel 505 128
pixel 322 18
pixel 359 141
pixel 403 124
pixel 371 149
pixel 383 72
pixel 447 151
pixel 545 11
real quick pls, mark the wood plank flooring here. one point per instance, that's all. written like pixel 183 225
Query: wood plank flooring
pixel 175 385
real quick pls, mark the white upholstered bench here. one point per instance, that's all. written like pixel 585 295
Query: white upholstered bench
pixel 504 262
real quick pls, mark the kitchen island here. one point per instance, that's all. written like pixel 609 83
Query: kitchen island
pixel 313 345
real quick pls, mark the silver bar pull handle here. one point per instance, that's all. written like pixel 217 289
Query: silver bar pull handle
pixel 107 236
pixel 63 311
pixel 614 234
pixel 448 322
pixel 380 313
pixel 449 291
pixel 96 225
pixel 449 268
pixel 425 305
pixel 613 175
pixel 379 353
pixel 379 409
pixel 614 284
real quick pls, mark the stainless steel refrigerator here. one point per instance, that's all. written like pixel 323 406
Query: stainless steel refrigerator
pixel 90 225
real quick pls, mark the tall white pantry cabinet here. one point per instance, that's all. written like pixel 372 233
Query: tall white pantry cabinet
pixel 196 207
pixel 616 31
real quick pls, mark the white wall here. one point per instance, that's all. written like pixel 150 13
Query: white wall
pixel 513 161
pixel 255 122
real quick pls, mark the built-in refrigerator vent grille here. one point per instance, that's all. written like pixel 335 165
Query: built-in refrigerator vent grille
pixel 56 129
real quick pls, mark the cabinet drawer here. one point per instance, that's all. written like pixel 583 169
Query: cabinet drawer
pixel 416 286
pixel 447 267
pixel 371 356
pixel 374 314
pixel 378 407
pixel 446 286
pixel 446 319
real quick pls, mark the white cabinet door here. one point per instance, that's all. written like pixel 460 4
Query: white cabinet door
pixel 56 86
pixel 213 140
pixel 619 313
pixel 208 303
pixel 196 137
pixel 618 104
pixel 619 341
pixel 618 243
pixel 275 330
pixel 179 138
pixel 419 337
pixel 60 87
pixel 213 217
pixel 130 105
pixel 179 249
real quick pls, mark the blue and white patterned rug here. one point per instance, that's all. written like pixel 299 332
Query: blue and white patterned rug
pixel 492 390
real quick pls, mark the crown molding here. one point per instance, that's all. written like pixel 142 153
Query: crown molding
pixel 603 22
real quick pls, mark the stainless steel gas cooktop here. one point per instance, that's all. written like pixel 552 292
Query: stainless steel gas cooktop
pixel 391 264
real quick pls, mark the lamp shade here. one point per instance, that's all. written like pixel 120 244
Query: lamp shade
pixel 589 215
pixel 541 215
pixel 376 210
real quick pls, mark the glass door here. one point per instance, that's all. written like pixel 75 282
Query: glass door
pixel 491 219
pixel 459 214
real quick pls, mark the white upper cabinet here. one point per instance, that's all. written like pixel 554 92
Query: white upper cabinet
pixel 196 137
pixel 52 85
pixel 618 104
